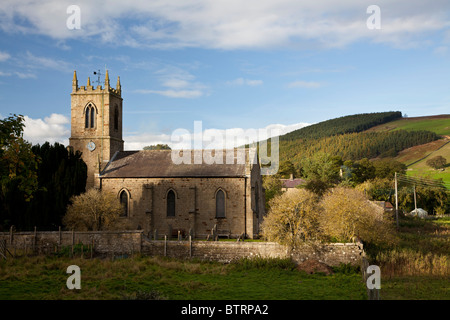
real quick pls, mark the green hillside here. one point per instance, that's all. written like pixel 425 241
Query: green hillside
pixel 439 124
pixel 411 141
pixel 342 125
pixel 350 138
pixel 416 157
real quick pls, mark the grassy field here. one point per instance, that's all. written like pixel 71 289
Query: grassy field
pixel 418 266
pixel 415 158
pixel 438 124
pixel 162 278
pixel 420 168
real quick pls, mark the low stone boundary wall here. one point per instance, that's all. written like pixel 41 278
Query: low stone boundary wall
pixel 102 241
pixel 331 254
pixel 129 242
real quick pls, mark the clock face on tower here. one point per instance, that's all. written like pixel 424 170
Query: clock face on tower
pixel 91 146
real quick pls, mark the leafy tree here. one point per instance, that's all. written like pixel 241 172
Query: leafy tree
pixel 94 210
pixel 61 174
pixel 322 166
pixel 293 218
pixel 158 146
pixel 432 199
pixel 286 169
pixel 18 169
pixel 386 168
pixel 437 162
pixel 347 214
pixel 377 189
pixel 18 164
pixel 317 186
pixel 272 186
pixel 363 170
pixel 321 172
pixel 36 182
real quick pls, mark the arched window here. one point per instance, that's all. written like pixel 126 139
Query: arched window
pixel 220 204
pixel 116 118
pixel 124 203
pixel 92 117
pixel 256 199
pixel 171 204
pixel 89 117
pixel 86 120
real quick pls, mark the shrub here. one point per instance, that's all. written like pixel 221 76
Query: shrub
pixel 347 214
pixel 437 162
pixel 293 217
pixel 94 210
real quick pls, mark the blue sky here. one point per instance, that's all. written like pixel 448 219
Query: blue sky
pixel 230 64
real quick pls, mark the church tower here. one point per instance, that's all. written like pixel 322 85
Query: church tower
pixel 96 124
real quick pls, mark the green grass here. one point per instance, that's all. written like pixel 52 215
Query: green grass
pixel 418 266
pixel 164 278
pixel 421 169
pixel 439 125
pixel 415 288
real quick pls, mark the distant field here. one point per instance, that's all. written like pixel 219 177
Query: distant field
pixel 416 157
pixel 412 155
pixel 438 124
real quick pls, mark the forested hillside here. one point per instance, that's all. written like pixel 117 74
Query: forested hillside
pixel 355 146
pixel 347 138
pixel 346 124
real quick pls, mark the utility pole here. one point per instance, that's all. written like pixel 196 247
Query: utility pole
pixel 415 199
pixel 396 200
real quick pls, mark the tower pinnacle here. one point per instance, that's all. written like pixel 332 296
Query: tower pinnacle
pixel 74 81
pixel 106 80
pixel 118 86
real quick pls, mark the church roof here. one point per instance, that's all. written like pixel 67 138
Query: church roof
pixel 159 164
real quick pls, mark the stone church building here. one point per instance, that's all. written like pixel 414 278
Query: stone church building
pixel 158 195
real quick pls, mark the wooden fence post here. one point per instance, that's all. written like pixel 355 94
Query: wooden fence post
pixel 165 245
pixel 190 246
pixel 34 239
pixel 11 235
pixel 73 240
pixel 60 236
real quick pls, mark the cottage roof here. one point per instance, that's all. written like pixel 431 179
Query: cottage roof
pixel 292 183
pixel 159 164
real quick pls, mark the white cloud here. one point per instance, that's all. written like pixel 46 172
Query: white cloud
pixel 245 82
pixel 52 129
pixel 4 56
pixel 229 24
pixel 174 93
pixel 209 138
pixel 33 61
pixel 179 83
pixel 304 84
pixel 23 75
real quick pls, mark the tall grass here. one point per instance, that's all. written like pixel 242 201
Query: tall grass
pixel 423 250
pixel 407 262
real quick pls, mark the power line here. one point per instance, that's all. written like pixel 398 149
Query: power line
pixel 422 181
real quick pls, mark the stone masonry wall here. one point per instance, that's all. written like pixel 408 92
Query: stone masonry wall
pixel 47 241
pixel 195 204
pixel 129 242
